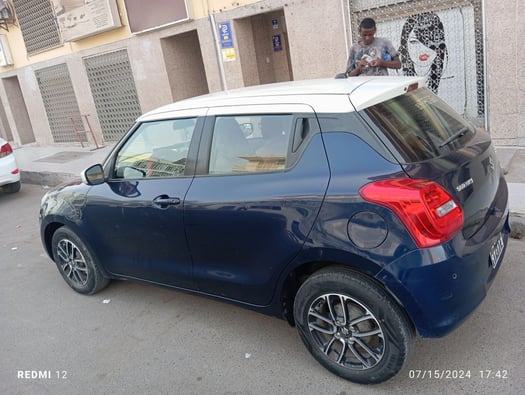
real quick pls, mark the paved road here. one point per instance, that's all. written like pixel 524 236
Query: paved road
pixel 139 339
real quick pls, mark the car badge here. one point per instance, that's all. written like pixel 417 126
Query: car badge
pixel 491 163
pixel 465 184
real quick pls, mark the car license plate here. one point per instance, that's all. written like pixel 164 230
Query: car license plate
pixel 496 250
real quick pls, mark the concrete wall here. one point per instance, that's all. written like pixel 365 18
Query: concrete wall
pixel 506 70
pixel 14 115
pixel 317 38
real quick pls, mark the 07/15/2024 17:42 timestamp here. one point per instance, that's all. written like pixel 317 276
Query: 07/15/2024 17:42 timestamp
pixel 457 374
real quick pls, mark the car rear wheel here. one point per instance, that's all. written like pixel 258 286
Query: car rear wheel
pixel 76 263
pixel 11 188
pixel 352 326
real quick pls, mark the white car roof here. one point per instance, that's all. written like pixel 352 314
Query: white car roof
pixel 323 95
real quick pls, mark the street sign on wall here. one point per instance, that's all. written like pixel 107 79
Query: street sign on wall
pixel 226 41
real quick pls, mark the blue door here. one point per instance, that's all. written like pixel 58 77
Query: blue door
pixel 138 214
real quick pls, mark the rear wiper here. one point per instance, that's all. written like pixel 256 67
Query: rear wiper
pixel 460 133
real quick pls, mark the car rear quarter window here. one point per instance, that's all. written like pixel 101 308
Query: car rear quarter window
pixel 250 143
pixel 420 126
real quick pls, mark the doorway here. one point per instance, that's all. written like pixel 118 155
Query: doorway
pixel 184 64
pixel 18 107
pixel 263 41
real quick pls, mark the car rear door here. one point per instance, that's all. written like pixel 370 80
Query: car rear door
pixel 248 216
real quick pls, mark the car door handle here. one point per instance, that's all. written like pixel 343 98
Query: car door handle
pixel 165 201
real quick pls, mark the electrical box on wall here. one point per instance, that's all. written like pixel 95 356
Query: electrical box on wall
pixel 5 53
pixel 80 19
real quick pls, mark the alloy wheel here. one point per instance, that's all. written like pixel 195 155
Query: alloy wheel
pixel 72 262
pixel 346 331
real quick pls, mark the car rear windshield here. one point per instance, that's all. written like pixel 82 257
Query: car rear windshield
pixel 420 125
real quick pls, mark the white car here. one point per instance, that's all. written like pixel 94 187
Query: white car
pixel 9 171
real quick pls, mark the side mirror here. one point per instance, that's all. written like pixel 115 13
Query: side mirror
pixel 93 175
pixel 341 75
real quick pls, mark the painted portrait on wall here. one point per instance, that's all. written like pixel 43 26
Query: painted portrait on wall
pixel 431 45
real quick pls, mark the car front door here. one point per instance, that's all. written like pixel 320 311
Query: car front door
pixel 138 213
pixel 254 200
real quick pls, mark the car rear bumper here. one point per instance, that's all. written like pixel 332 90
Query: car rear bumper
pixel 440 286
pixel 9 171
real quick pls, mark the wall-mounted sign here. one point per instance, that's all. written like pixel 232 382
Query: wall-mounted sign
pixel 83 18
pixel 154 14
pixel 225 34
pixel 228 54
pixel 277 43
pixel 5 54
pixel 226 39
pixel 275 24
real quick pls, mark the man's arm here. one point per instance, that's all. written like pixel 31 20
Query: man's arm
pixel 356 71
pixel 395 63
pixel 353 69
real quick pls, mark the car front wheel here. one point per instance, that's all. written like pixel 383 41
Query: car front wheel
pixel 352 326
pixel 76 264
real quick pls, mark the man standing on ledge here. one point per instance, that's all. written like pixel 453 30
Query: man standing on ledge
pixel 371 55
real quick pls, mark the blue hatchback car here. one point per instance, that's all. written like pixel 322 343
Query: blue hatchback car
pixel 364 211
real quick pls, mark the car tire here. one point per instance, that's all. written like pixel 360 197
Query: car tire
pixel 11 188
pixel 76 263
pixel 352 326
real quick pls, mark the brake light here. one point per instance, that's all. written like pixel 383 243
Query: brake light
pixel 5 150
pixel 429 212
pixel 412 87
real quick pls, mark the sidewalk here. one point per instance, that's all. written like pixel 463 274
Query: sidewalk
pixel 52 165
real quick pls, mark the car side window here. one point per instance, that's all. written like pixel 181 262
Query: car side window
pixel 156 149
pixel 250 143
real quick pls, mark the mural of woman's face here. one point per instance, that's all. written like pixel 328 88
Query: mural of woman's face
pixel 421 55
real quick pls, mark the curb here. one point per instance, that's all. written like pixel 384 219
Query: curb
pixel 46 178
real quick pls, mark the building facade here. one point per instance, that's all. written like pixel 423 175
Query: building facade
pixel 80 71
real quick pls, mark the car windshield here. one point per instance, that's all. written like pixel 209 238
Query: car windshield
pixel 420 125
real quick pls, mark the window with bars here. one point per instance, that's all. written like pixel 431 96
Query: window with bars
pixel 60 102
pixel 37 23
pixel 113 89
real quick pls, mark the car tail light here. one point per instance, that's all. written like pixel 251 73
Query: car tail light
pixel 412 87
pixel 429 212
pixel 5 150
